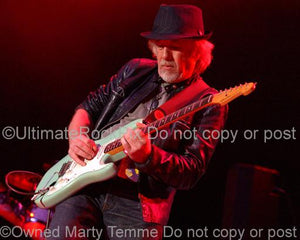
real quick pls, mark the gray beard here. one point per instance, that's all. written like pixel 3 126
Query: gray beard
pixel 170 77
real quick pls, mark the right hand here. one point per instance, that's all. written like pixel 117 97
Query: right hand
pixel 81 148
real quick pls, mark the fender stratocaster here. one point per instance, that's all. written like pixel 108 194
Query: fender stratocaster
pixel 67 177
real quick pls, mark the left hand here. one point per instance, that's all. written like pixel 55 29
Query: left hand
pixel 137 144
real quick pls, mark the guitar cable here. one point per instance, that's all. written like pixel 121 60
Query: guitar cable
pixel 15 189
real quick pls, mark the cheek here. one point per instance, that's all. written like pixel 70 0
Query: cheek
pixel 158 55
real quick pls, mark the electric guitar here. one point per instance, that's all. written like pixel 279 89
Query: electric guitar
pixel 67 177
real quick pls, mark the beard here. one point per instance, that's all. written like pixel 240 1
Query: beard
pixel 169 75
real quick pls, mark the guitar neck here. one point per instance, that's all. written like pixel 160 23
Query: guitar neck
pixel 116 146
pixel 221 98
pixel 179 114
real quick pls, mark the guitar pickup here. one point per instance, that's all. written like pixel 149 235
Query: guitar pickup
pixel 64 168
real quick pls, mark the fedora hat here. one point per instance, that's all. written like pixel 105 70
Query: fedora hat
pixel 177 22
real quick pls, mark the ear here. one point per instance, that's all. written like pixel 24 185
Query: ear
pixel 153 48
pixel 154 51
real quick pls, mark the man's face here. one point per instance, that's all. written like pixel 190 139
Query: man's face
pixel 176 59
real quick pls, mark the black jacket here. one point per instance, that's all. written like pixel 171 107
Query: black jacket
pixel 175 163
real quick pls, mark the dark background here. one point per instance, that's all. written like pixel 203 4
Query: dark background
pixel 52 53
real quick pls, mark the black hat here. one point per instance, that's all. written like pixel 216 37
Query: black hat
pixel 177 22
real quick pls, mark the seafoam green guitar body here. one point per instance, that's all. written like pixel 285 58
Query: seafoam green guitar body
pixel 66 177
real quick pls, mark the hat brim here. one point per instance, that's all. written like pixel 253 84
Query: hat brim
pixel 159 36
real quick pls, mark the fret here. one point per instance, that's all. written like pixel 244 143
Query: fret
pixel 106 149
pixel 192 107
pixel 185 110
pixel 158 123
pixel 199 104
pixel 181 112
pixel 188 109
pixel 204 101
pixel 110 146
pixel 174 115
pixel 118 143
pixel 195 105
pixel 168 118
pixel 209 98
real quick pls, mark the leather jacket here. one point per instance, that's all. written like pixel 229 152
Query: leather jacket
pixel 175 163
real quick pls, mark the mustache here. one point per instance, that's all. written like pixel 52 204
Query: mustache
pixel 167 63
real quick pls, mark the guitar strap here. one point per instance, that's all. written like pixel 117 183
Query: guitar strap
pixel 194 92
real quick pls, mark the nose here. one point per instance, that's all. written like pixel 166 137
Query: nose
pixel 166 53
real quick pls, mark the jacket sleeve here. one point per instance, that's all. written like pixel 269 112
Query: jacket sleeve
pixel 97 99
pixel 183 168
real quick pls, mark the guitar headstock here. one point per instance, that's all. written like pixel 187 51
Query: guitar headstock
pixel 224 97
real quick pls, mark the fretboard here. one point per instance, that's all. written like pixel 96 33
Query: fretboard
pixel 166 120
